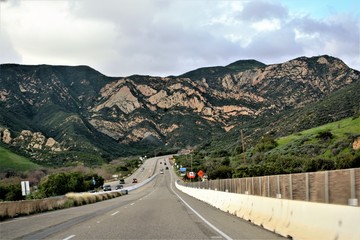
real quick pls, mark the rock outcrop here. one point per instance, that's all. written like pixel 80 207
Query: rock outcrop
pixel 84 109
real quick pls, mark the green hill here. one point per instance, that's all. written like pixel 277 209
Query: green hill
pixel 14 162
pixel 341 130
pixel 326 147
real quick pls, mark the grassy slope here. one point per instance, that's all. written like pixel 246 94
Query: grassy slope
pixel 340 129
pixel 14 162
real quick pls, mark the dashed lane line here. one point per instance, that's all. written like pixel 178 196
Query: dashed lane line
pixel 69 237
pixel 115 213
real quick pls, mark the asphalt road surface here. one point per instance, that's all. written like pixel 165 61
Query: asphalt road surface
pixel 155 211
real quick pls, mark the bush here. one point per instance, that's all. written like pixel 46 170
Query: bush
pixel 266 143
pixel 325 136
pixel 10 192
pixel 221 172
pixel 62 183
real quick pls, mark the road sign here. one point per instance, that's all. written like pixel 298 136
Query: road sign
pixel 191 175
pixel 25 188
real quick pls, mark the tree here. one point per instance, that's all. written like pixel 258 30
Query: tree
pixel 62 183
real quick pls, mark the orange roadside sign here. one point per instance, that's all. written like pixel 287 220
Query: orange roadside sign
pixel 200 173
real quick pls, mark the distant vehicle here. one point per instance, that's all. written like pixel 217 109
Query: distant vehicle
pixel 122 181
pixel 160 162
pixel 119 187
pixel 167 168
pixel 135 180
pixel 107 188
pixel 162 171
pixel 164 163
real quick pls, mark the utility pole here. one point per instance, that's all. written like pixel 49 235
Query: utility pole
pixel 191 161
pixel 243 145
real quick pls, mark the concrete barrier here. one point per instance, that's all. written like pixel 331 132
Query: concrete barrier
pixel 295 219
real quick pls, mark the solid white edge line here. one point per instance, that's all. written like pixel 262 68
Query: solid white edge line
pixel 69 237
pixel 198 214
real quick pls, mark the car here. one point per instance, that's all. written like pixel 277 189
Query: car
pixel 119 186
pixel 135 180
pixel 122 181
pixel 107 187
pixel 167 168
pixel 162 171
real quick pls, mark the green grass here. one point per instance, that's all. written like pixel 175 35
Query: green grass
pixel 10 160
pixel 340 129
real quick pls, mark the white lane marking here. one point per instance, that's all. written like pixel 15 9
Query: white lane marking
pixel 201 217
pixel 132 203
pixel 69 237
pixel 115 213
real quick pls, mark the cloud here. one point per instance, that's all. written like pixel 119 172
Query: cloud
pixel 160 37
pixel 338 36
pixel 254 11
pixel 8 53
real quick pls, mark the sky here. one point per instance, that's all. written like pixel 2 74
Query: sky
pixel 170 37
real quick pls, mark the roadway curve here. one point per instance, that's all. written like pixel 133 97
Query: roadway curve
pixel 154 211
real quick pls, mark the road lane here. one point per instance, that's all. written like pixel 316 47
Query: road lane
pixel 154 211
pixel 157 215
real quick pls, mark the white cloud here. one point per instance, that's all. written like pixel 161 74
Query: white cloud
pixel 267 25
pixel 162 37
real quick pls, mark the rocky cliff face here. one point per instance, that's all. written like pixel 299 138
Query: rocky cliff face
pixel 223 100
pixel 31 143
pixel 175 111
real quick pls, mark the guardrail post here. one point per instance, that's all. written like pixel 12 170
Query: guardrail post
pixel 268 185
pixel 307 186
pixel 290 187
pixel 246 189
pixel 260 186
pixel 353 201
pixel 326 187
pixel 240 185
pixel 278 194
pixel 246 186
pixel 252 186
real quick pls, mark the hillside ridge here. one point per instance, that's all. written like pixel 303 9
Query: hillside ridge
pixel 85 111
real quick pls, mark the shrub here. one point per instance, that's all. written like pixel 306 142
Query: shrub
pixel 62 183
pixel 221 172
pixel 10 192
pixel 325 136
pixel 266 143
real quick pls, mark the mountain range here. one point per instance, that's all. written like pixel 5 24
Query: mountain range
pixel 74 114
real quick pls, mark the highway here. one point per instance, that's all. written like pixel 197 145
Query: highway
pixel 154 211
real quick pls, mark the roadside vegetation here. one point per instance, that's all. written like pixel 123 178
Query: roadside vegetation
pixel 13 162
pixel 27 207
pixel 47 182
pixel 326 147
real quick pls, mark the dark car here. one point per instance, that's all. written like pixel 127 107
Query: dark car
pixel 119 186
pixel 107 188
pixel 122 181
pixel 167 168
pixel 135 180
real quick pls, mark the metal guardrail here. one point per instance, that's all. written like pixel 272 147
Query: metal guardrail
pixel 333 187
